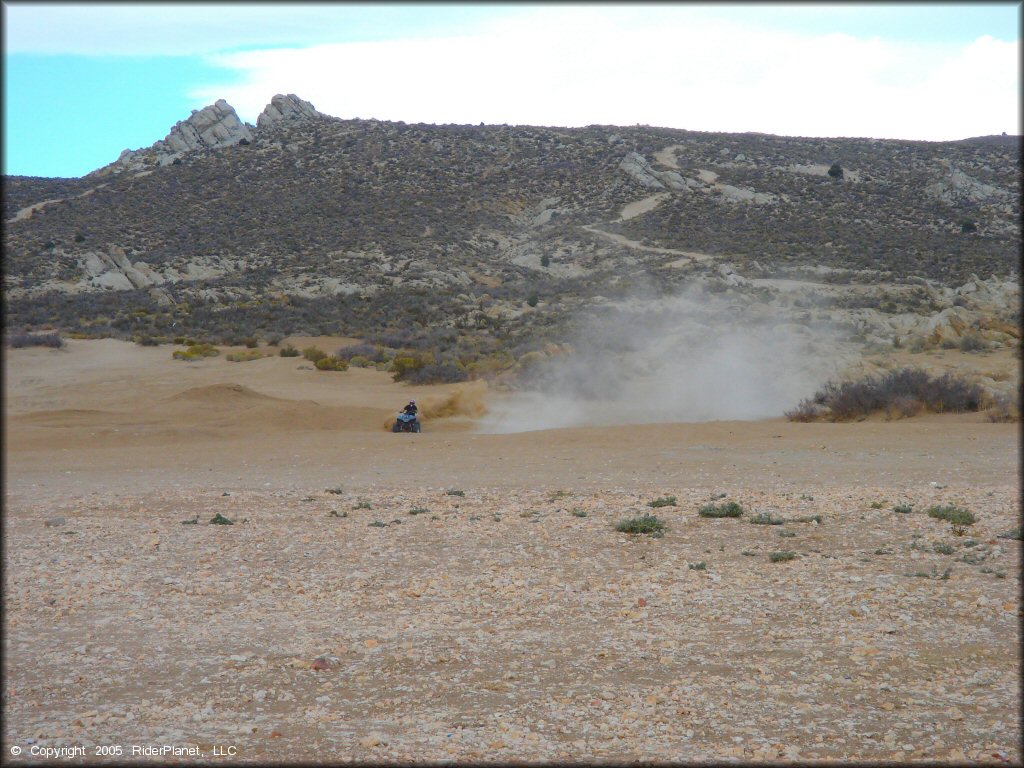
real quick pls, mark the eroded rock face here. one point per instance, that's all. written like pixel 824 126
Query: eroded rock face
pixel 289 107
pixel 214 126
pixel 211 127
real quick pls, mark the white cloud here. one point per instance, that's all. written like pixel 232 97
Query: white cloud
pixel 578 66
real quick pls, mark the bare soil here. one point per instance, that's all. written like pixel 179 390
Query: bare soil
pixel 462 596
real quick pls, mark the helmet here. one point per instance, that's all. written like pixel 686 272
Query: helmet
pixel 412 402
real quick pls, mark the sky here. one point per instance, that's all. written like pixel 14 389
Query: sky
pixel 84 81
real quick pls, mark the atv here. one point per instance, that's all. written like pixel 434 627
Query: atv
pixel 406 422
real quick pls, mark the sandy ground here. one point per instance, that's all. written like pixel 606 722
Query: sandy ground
pixel 463 596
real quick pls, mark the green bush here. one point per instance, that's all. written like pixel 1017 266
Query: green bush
pixel 729 509
pixel 903 509
pixel 331 364
pixel 646 523
pixel 288 351
pixel 665 501
pixel 244 357
pixel 765 518
pixel 196 352
pixel 958 517
pixel 313 354
pixel 782 557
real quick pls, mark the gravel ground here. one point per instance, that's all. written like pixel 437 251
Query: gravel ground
pixel 385 626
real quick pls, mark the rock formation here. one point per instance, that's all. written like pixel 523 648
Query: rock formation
pixel 289 107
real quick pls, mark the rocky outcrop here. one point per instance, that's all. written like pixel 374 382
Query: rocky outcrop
pixel 286 108
pixel 211 127
pixel 957 187
pixel 113 270
pixel 636 166
pixel 214 126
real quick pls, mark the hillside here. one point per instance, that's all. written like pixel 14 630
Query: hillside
pixel 489 241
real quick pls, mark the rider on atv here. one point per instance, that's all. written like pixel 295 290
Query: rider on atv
pixel 410 408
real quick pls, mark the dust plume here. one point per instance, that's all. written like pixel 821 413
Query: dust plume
pixel 466 400
pixel 689 358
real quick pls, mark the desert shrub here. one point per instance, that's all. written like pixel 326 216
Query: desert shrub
pixel 1011 534
pixel 373 353
pixel 903 509
pixel 196 352
pixel 244 357
pixel 782 557
pixel 765 518
pixel 250 342
pixel 273 339
pixel 645 523
pixel 729 509
pixel 313 354
pixel 1003 409
pixel 19 340
pixel 958 517
pixel 437 373
pixel 532 299
pixel 454 492
pixel 836 171
pixel 701 566
pixel 904 390
pixel 967 226
pixel 288 351
pixel 807 410
pixel 147 341
pixel 971 342
pixel 359 362
pixel 664 501
pixel 331 364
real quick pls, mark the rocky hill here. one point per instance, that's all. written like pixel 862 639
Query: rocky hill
pixel 496 238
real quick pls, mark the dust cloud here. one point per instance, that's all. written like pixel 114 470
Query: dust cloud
pixel 690 358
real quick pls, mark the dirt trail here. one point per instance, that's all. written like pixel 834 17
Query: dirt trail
pixel 625 241
pixel 634 209
pixel 28 211
pixel 667 156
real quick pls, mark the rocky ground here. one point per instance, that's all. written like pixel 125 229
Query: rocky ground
pixel 486 625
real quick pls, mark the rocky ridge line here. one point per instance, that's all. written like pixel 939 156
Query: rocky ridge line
pixel 212 127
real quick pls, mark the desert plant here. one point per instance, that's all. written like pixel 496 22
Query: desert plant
pixel 362 505
pixel 1014 533
pixel 313 354
pixel 942 548
pixel 196 352
pixel 19 340
pixel 288 351
pixel 958 517
pixel 857 399
pixel 219 519
pixel 836 171
pixel 645 523
pixel 765 518
pixel 664 501
pixel 701 566
pixel 244 357
pixel 903 509
pixel 782 557
pixel 728 509
pixel 971 342
pixel 576 512
pixel 419 511
pixel 331 364
pixel 454 492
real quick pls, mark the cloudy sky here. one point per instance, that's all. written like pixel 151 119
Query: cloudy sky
pixel 84 81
